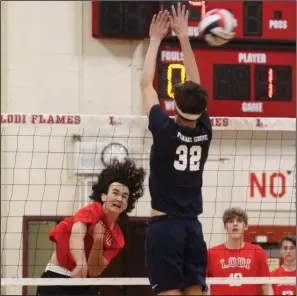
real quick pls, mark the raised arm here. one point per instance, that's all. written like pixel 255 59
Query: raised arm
pixel 77 249
pixel 97 262
pixel 158 29
pixel 179 24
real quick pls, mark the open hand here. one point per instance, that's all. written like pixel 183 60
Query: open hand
pixel 159 26
pixel 179 20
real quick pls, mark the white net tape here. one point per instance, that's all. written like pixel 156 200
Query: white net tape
pixel 48 163
pixel 138 281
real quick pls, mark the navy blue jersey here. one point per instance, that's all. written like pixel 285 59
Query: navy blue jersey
pixel 177 160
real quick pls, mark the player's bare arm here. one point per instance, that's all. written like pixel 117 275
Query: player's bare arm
pixel 179 24
pixel 267 290
pixel 77 249
pixel 96 262
pixel 158 29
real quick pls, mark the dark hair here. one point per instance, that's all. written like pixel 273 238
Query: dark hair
pixel 125 173
pixel 190 97
pixel 289 238
pixel 230 214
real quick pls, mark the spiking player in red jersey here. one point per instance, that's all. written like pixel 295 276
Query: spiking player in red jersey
pixel 87 242
pixel 288 252
pixel 237 259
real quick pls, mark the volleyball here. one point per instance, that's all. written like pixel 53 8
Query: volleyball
pixel 218 27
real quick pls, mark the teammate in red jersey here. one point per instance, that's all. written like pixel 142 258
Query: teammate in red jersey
pixel 288 252
pixel 87 242
pixel 237 259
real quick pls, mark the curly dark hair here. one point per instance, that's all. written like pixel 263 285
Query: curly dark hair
pixel 125 173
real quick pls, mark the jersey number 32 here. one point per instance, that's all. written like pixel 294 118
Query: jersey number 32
pixel 188 158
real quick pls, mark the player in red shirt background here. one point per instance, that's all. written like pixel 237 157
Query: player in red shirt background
pixel 87 242
pixel 288 252
pixel 236 258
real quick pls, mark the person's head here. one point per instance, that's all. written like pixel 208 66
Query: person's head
pixel 119 186
pixel 288 248
pixel 235 223
pixel 190 102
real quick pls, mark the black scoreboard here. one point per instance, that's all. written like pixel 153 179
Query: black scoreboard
pixel 257 20
pixel 121 19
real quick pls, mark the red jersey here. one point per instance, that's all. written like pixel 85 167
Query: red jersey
pixel 90 215
pixel 283 289
pixel 250 261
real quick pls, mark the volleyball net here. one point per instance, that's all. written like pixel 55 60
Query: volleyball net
pixel 49 162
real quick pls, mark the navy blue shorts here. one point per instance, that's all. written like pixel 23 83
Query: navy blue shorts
pixel 176 254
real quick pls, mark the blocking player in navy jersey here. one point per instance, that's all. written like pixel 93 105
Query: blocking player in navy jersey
pixel 176 252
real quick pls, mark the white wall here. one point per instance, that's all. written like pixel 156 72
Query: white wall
pixel 53 65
